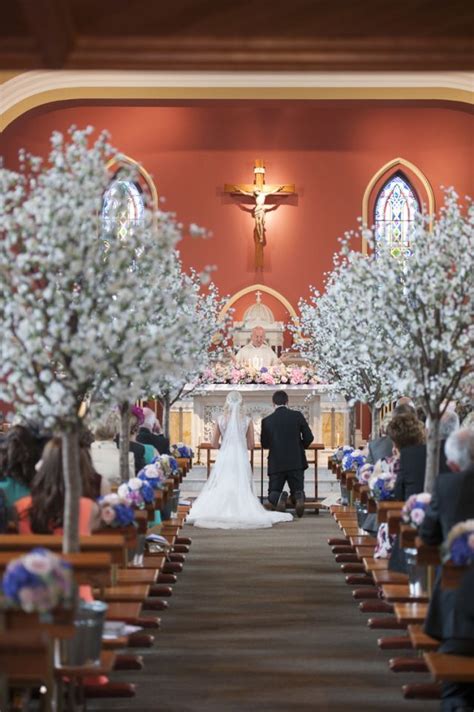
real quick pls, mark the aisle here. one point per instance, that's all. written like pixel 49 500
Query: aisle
pixel 262 621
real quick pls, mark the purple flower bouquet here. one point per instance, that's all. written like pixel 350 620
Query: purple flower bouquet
pixel 460 543
pixel 114 512
pixel 415 507
pixel 38 582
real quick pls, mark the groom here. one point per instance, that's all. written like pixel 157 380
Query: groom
pixel 286 434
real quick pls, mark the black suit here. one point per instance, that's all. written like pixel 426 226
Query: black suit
pixel 451 612
pixel 159 442
pixel 138 453
pixel 411 474
pixel 286 434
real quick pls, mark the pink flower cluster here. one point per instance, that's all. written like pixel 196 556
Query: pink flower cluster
pixel 275 375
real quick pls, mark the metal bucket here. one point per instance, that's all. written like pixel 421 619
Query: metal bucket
pixel 361 510
pixel 85 647
pixel 417 575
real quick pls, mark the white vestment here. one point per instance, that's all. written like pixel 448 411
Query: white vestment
pixel 256 356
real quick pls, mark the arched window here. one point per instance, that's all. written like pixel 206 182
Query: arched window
pixel 394 214
pixel 123 205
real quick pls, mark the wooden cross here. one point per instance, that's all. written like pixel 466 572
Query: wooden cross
pixel 259 191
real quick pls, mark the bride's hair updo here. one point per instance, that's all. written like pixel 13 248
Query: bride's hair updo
pixel 234 399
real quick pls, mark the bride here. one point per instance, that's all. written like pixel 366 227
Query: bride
pixel 227 500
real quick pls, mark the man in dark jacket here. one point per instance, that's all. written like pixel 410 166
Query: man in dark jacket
pixel 147 436
pixel 286 434
pixel 451 616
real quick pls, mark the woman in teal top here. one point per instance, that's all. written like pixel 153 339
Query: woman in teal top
pixel 20 451
pixel 150 453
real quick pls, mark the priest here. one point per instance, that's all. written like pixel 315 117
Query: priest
pixel 256 353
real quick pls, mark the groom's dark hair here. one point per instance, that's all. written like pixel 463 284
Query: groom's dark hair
pixel 280 398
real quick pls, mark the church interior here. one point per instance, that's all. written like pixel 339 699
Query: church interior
pixel 323 111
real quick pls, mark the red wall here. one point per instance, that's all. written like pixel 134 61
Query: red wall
pixel 330 150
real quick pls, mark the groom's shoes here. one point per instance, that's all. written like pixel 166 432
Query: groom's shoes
pixel 281 504
pixel 299 504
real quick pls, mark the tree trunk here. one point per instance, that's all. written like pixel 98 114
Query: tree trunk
pixel 166 400
pixel 124 441
pixel 432 454
pixel 375 413
pixel 72 490
pixel 352 426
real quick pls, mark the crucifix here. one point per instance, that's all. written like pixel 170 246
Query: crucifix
pixel 259 191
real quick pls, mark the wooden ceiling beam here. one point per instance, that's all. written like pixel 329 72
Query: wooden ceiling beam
pixel 50 24
pixel 272 54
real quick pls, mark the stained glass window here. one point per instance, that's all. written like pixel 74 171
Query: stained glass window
pixel 395 210
pixel 123 206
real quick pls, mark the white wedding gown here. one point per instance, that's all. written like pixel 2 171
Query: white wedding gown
pixel 227 500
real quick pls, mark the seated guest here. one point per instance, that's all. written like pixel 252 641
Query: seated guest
pixel 105 454
pixel 411 477
pixel 381 448
pixel 21 450
pixel 147 434
pixel 136 448
pixel 42 511
pixel 451 613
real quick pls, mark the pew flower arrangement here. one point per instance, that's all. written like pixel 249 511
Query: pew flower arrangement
pixel 181 450
pixel 460 543
pixel 38 582
pixel 415 507
pixel 364 473
pixel 168 464
pixel 153 474
pixel 115 512
pixel 136 493
pixel 341 451
pixel 382 481
pixel 353 460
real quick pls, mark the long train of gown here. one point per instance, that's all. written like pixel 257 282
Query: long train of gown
pixel 227 500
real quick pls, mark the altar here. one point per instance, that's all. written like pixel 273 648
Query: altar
pixel 193 417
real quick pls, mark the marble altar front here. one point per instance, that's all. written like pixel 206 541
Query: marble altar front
pixel 193 417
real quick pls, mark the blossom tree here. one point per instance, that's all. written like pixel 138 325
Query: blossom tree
pixel 341 333
pixel 64 292
pixel 204 336
pixel 426 308
pixel 146 343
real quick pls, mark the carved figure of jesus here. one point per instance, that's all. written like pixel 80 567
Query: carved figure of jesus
pixel 259 191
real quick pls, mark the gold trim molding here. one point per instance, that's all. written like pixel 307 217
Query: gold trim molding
pixel 25 91
pixel 262 288
pixel 395 162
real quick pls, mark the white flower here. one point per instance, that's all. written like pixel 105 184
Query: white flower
pixel 40 564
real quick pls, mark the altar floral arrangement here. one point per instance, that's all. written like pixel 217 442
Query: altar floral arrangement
pixel 415 507
pixel 353 460
pixel 460 543
pixel 136 492
pixel 153 474
pixel 168 464
pixel 275 375
pixel 382 481
pixel 364 473
pixel 38 581
pixel 181 450
pixel 115 512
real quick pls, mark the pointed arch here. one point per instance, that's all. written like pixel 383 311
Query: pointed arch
pixel 411 173
pixel 123 160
